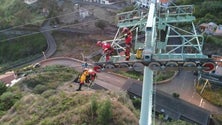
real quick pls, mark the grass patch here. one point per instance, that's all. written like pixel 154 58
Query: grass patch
pixel 24 47
pixel 211 95
pixel 131 74
pixel 217 118
pixel 158 76
pixel 40 80
pixel 16 12
pixel 162 75
pixel 214 39
pixel 94 108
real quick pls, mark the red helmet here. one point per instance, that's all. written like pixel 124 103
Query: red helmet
pixel 106 46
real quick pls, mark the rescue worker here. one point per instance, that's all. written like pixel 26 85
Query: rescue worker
pixel 107 49
pixel 92 77
pixel 128 42
pixel 128 37
pixel 83 78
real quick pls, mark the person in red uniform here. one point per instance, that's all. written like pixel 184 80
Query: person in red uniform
pixel 107 49
pixel 128 42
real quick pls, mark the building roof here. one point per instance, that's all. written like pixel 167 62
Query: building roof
pixel 7 77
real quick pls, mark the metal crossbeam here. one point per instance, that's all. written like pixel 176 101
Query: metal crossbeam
pixel 166 46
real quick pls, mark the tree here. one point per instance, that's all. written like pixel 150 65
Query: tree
pixel 3 88
pixel 100 24
pixel 105 113
pixel 7 100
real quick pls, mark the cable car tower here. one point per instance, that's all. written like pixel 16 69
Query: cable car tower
pixel 170 43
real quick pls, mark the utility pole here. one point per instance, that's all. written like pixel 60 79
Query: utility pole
pixel 44 55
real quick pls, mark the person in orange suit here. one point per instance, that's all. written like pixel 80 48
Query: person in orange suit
pixel 83 76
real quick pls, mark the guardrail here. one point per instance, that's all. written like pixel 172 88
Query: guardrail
pixel 21 62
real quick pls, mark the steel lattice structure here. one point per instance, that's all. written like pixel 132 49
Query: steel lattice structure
pixel 169 42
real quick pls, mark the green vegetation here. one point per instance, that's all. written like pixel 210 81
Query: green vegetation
pixel 16 12
pixel 178 122
pixel 205 11
pixel 214 40
pixel 131 74
pixel 3 88
pixel 50 77
pixel 176 95
pixel 101 24
pixel 127 8
pixel 158 76
pixel 163 75
pixel 42 98
pixel 7 100
pixel 217 118
pixel 72 108
pixel 21 48
pixel 41 80
pixel 213 96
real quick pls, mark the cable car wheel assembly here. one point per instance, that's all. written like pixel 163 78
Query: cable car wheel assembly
pixel 204 65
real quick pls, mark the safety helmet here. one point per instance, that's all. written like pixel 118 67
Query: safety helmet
pixel 106 46
pixel 90 70
pixel 85 69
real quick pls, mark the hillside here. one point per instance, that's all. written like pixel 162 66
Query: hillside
pixel 16 12
pixel 61 107
pixel 47 96
pixel 205 10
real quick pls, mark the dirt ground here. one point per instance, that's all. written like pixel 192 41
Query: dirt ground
pixel 75 45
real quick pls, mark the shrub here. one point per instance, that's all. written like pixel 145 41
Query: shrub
pixel 136 102
pixel 94 106
pixel 100 24
pixel 104 113
pixel 3 88
pixel 178 122
pixel 7 100
pixel 48 93
pixel 39 89
pixel 176 95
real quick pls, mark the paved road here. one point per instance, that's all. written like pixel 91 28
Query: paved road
pixel 96 4
pixel 183 84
